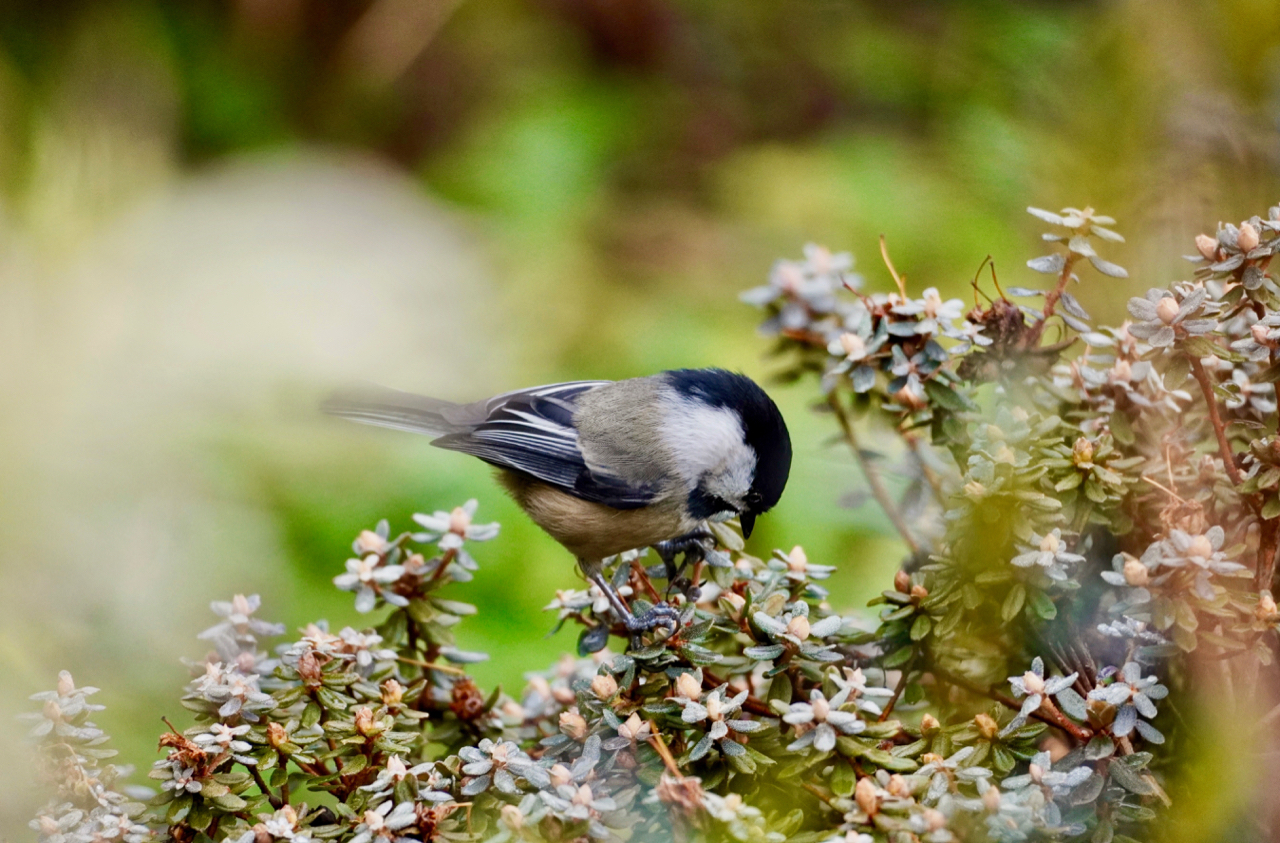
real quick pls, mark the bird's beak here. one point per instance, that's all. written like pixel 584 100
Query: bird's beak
pixel 748 521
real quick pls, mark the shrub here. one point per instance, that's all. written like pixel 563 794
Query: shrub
pixel 1092 518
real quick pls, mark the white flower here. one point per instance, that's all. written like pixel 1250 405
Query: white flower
pixel 825 719
pixel 366 577
pixel 452 528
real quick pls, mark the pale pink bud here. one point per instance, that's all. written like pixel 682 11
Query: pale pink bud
pixel 392 692
pixel 799 627
pixel 1200 547
pixel 560 775
pixel 66 686
pixel 512 817
pixel 1135 573
pixel 687 685
pixel 370 542
pixel 1034 682
pixel 1167 309
pixel 899 787
pixel 459 521
pixel 573 724
pixel 864 793
pixel 1247 239
pixel 604 686
pixel 991 799
pixel 1207 246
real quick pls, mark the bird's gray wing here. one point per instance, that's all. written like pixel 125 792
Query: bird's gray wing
pixel 532 431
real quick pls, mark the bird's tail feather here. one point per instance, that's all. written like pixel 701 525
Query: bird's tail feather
pixel 384 407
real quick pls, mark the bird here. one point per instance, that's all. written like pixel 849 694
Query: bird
pixel 605 467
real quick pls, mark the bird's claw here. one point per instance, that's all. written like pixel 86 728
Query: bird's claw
pixel 661 616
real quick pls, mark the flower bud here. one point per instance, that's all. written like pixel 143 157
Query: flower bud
pixel 902 582
pixel 309 668
pixel 1200 547
pixel 364 721
pixel 631 728
pixel 583 796
pixel 512 817
pixel 899 787
pixel 929 725
pixel 1033 682
pixel 573 724
pixel 799 627
pixel 987 726
pixel 604 686
pixel 52 711
pixel 797 560
pixel 864 793
pixel 1037 773
pixel 459 521
pixel 736 602
pixel 991 799
pixel 66 685
pixel 560 775
pixel 853 345
pixel 1135 573
pixel 277 735
pixel 1082 453
pixel 1167 309
pixel 821 708
pixel 935 819
pixel 1247 239
pixel 370 542
pixel 392 692
pixel 918 593
pixel 1051 543
pixel 687 685
pixel 1266 610
pixel 1207 246
pixel 1261 334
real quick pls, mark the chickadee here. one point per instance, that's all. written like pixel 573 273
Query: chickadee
pixel 609 466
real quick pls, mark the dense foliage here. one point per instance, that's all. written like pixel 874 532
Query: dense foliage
pixel 1093 517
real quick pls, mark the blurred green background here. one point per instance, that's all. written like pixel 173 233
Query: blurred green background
pixel 212 212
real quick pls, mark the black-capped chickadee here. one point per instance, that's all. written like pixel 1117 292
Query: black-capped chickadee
pixel 609 466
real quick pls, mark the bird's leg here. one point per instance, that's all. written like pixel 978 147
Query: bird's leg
pixel 661 615
pixel 693 546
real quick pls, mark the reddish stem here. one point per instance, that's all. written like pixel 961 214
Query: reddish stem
pixel 1219 429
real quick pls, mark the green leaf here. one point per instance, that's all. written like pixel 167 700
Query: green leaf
pixel 899 657
pixel 1039 604
pixel 1128 778
pixel 310 715
pixel 921 627
pixel 843 778
pixel 1013 602
pixel 1271 508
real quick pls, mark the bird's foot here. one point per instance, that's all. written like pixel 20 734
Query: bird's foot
pixel 661 616
pixel 694 547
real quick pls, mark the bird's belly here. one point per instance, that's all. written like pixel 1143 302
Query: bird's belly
pixel 593 531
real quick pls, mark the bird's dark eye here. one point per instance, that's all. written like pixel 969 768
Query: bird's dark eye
pixel 753 499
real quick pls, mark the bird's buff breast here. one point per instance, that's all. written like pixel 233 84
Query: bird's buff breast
pixel 592 531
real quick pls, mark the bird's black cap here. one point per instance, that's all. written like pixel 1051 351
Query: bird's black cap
pixel 763 429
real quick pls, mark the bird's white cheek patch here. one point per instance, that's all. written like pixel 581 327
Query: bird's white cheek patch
pixel 708 441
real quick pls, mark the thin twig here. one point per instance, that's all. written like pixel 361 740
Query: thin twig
pixel 897 279
pixel 1051 300
pixel 1052 717
pixel 443 668
pixel 878 491
pixel 899 688
pixel 656 741
pixel 276 801
pixel 1219 429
